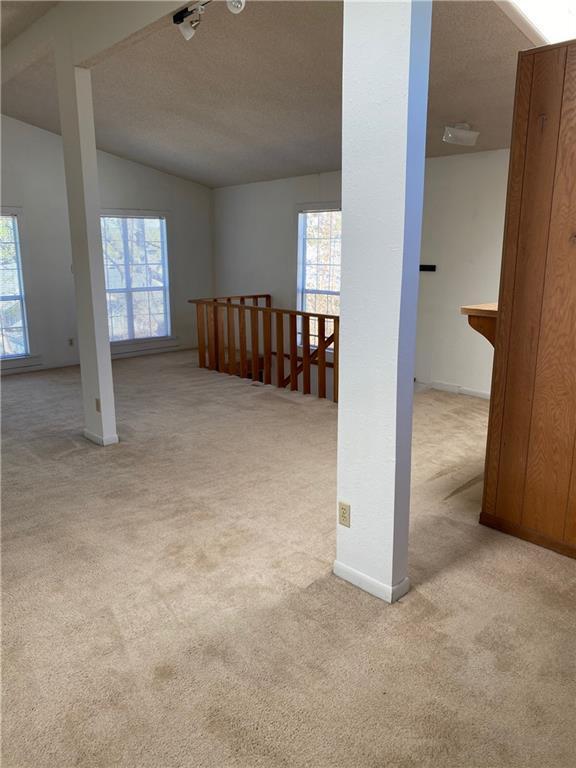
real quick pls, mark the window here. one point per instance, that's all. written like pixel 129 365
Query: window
pixel 136 267
pixel 12 308
pixel 319 235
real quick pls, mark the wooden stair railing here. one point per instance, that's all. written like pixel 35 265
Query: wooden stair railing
pixel 243 335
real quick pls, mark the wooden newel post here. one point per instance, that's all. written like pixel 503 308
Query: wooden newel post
pixel 212 337
pixel 321 357
pixel 306 355
pixel 221 337
pixel 336 361
pixel 201 329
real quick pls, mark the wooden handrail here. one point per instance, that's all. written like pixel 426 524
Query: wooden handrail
pixel 246 347
pixel 296 312
pixel 241 298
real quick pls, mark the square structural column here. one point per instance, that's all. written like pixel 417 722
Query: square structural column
pixel 80 161
pixel 385 93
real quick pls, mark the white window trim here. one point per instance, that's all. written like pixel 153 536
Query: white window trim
pixel 126 347
pixel 19 361
pixel 331 205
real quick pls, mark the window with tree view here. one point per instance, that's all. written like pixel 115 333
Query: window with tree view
pixel 136 266
pixel 12 306
pixel 319 234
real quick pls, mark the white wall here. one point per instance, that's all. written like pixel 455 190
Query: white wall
pixel 255 244
pixel 256 234
pixel 465 199
pixel 33 181
pixel 255 249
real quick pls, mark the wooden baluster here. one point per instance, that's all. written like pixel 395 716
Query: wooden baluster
pixel 255 342
pixel 279 349
pixel 321 357
pixel 268 300
pixel 267 327
pixel 336 358
pixel 201 329
pixel 306 355
pixel 212 341
pixel 293 354
pixel 221 338
pixel 242 339
pixel 230 311
pixel 255 301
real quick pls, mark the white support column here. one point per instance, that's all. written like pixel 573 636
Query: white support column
pixel 77 125
pixel 385 91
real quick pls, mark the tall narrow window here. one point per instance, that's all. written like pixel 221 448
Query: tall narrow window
pixel 12 307
pixel 319 235
pixel 136 264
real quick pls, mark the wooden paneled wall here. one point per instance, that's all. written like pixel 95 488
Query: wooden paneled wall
pixel 530 480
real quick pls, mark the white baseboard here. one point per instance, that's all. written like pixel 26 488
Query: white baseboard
pixel 388 592
pixel 35 362
pixel 99 440
pixel 458 390
pixel 21 364
pixel 137 347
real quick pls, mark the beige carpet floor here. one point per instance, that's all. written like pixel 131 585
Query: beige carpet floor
pixel 169 601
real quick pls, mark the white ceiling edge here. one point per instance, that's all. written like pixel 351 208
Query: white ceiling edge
pixel 522 22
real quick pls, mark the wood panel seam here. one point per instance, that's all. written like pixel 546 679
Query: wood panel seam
pixel 515 273
pixel 554 193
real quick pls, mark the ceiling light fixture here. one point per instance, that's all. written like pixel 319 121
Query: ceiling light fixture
pixel 461 134
pixel 189 17
pixel 236 6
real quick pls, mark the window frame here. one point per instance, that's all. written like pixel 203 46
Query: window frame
pixel 133 213
pixel 17 214
pixel 301 291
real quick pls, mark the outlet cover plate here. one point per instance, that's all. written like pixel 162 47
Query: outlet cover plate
pixel 344 514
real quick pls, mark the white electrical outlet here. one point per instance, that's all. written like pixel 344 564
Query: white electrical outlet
pixel 344 514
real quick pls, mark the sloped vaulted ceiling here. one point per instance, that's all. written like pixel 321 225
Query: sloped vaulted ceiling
pixel 15 17
pixel 258 95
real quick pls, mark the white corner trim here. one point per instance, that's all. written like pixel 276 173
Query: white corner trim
pixel 388 592
pixel 99 439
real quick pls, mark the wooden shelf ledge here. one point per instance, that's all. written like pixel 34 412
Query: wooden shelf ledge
pixel 482 317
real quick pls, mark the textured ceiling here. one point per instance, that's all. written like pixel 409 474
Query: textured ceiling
pixel 258 95
pixel 472 73
pixel 16 16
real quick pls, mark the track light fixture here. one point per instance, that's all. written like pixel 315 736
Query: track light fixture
pixel 189 17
